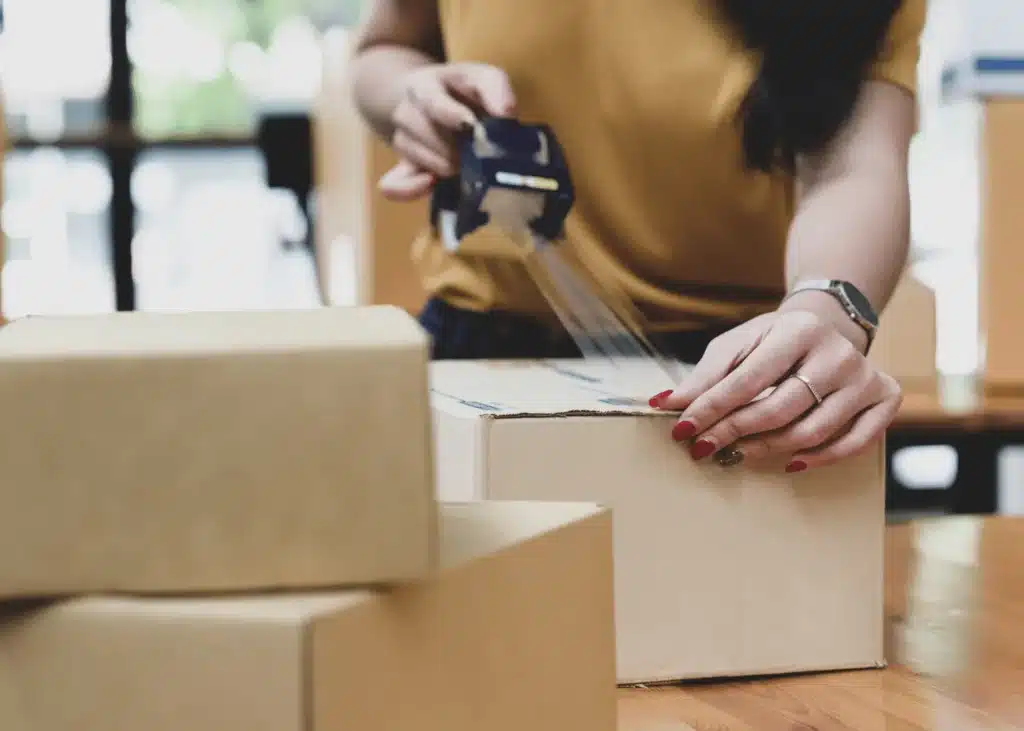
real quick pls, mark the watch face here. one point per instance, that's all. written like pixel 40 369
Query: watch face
pixel 859 302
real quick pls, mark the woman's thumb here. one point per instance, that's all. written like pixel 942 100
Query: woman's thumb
pixel 487 85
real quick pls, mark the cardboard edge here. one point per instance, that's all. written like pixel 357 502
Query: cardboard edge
pixel 482 459
pixel 405 333
pixel 771 674
pixel 590 512
pixel 404 344
pixel 307 681
pixel 569 413
pixel 454 405
pixel 433 558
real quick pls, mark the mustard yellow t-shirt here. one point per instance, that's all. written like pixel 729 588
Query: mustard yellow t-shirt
pixel 643 95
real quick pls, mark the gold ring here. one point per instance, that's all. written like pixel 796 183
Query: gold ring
pixel 810 387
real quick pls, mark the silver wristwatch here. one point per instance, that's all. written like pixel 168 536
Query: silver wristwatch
pixel 852 300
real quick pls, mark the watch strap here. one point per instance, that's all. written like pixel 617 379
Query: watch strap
pixel 813 285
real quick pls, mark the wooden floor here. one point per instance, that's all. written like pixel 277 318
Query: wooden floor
pixel 955 608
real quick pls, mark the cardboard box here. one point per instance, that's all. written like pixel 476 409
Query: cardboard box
pixel 516 632
pixel 906 341
pixel 719 572
pixel 1001 162
pixel 216 451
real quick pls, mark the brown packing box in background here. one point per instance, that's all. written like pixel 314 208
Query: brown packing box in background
pixel 719 572
pixel 1000 255
pixel 216 451
pixel 515 633
pixel 906 341
pixel 353 217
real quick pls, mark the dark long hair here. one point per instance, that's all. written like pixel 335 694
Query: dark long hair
pixel 815 55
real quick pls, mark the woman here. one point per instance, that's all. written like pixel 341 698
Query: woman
pixel 741 173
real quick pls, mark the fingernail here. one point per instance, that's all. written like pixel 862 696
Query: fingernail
pixel 701 449
pixel 656 400
pixel 796 466
pixel 683 430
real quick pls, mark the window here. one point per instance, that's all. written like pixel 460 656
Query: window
pixel 144 119
pixel 55 217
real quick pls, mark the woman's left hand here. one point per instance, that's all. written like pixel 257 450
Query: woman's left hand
pixel 829 401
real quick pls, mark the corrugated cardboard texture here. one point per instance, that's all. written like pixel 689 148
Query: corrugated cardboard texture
pixel 217 451
pixel 719 572
pixel 516 632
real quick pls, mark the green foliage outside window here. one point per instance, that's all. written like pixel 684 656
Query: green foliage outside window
pixel 221 106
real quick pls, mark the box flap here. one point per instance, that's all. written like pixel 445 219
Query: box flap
pixel 153 334
pixel 509 389
pixel 521 639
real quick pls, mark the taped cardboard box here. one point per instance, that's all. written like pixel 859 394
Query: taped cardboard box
pixel 214 451
pixel 719 572
pixel 515 632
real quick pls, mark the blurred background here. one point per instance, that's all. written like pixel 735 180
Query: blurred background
pixel 200 154
pixel 135 175
pixel 138 175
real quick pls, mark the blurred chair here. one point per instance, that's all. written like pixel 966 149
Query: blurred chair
pixel 285 141
pixel 348 161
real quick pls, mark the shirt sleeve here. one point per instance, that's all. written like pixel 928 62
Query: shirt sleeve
pixel 902 48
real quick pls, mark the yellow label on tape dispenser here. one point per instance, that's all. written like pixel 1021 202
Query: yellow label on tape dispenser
pixel 526 181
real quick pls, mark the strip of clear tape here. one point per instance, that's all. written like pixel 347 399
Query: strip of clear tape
pixel 600 334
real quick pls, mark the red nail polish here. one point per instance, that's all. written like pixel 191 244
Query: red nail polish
pixel 656 400
pixel 796 466
pixel 683 430
pixel 702 448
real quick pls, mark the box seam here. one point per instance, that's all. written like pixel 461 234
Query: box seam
pixel 482 447
pixel 308 672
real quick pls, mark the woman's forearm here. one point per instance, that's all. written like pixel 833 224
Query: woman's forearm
pixel 855 228
pixel 853 216
pixel 395 38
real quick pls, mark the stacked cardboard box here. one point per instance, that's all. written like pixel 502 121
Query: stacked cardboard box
pixel 196 503
pixel 719 571
pixel 149 452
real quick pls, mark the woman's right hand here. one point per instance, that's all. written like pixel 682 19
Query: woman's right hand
pixel 437 102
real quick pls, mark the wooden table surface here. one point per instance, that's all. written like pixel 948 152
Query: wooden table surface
pixel 959 408
pixel 955 608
